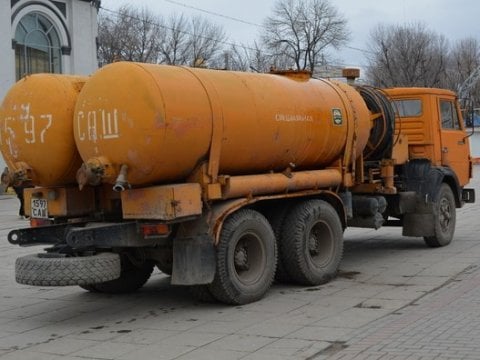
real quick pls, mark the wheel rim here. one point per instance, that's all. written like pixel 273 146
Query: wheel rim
pixel 319 244
pixel 249 259
pixel 445 214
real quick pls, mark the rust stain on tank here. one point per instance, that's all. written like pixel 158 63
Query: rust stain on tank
pixel 159 121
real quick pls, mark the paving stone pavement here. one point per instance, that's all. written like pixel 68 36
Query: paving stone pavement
pixel 394 298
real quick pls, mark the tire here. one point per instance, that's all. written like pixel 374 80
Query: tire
pixel 164 261
pixel 45 270
pixel 132 278
pixel 444 214
pixel 202 293
pixel 89 288
pixel 276 216
pixel 164 268
pixel 312 243
pixel 246 259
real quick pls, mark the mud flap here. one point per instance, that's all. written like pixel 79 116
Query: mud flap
pixel 193 260
pixel 418 225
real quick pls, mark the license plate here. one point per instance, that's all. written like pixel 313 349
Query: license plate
pixel 39 208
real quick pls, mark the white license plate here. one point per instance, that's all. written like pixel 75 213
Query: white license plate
pixel 39 208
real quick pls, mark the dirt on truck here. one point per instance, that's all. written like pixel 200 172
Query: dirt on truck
pixel 223 180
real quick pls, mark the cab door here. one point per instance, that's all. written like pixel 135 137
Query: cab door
pixel 455 146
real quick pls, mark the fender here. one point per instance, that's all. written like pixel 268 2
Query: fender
pixel 423 178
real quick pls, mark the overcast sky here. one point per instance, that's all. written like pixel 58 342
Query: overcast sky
pixel 455 19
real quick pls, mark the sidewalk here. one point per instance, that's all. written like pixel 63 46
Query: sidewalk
pixel 444 324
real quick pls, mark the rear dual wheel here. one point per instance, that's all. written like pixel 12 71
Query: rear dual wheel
pixel 246 259
pixel 276 217
pixel 311 243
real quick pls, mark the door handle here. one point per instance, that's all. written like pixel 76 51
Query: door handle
pixel 444 150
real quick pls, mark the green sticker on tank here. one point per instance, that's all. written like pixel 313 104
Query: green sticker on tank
pixel 337 117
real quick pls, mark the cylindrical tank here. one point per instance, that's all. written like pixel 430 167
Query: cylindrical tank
pixel 162 121
pixel 36 135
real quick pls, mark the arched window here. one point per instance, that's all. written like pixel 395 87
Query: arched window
pixel 37 46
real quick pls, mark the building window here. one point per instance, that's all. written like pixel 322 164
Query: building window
pixel 37 46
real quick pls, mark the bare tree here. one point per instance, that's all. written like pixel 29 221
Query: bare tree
pixel 237 58
pixel 129 34
pixel 407 55
pixel 173 41
pixel 205 41
pixel 109 44
pixel 137 35
pixel 248 58
pixel 303 30
pixel 464 60
pixel 262 61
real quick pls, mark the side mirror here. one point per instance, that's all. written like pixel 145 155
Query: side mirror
pixel 468 115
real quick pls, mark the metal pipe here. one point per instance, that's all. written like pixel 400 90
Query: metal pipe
pixel 121 183
pixel 250 185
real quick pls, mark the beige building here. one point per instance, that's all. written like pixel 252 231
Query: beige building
pixel 46 36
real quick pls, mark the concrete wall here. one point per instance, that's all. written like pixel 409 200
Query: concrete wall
pixel 7 67
pixel 83 31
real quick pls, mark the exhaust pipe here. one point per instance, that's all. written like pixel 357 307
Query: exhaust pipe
pixel 121 182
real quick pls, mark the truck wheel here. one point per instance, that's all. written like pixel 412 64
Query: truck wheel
pixel 202 293
pixel 50 270
pixel 132 278
pixel 276 216
pixel 246 259
pixel 444 216
pixel 312 243
pixel 164 267
pixel 164 261
pixel 90 288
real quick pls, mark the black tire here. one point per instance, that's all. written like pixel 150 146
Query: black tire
pixel 276 216
pixel 90 288
pixel 312 242
pixel 164 268
pixel 444 214
pixel 48 270
pixel 246 259
pixel 132 278
pixel 202 293
pixel 164 261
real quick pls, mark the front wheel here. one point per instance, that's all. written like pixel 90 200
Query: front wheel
pixel 246 259
pixel 444 215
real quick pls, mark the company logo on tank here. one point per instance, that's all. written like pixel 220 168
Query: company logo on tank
pixel 337 116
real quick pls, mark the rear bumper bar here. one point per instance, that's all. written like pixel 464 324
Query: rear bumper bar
pixel 85 235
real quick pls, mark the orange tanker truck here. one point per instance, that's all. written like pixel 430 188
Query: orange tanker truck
pixel 223 180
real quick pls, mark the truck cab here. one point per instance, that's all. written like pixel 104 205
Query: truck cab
pixel 437 165
pixel 432 122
